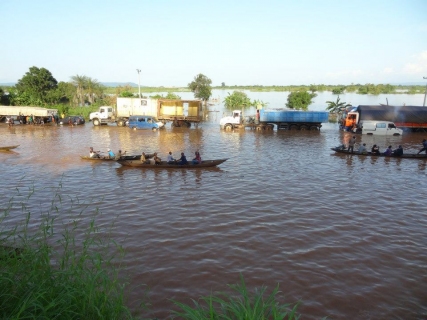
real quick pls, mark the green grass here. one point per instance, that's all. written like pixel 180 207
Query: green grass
pixel 47 276
pixel 245 305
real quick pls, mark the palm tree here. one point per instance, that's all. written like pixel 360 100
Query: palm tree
pixel 80 83
pixel 93 89
pixel 337 106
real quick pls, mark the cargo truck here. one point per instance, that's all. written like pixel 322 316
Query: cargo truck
pixel 179 112
pixel 21 112
pixel 413 118
pixel 266 119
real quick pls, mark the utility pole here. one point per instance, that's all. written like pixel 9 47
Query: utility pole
pixel 425 94
pixel 139 83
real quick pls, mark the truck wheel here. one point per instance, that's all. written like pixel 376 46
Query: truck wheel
pixel 188 124
pixel 228 127
pixel 304 127
pixel 293 127
pixel 312 128
pixel 120 123
pixel 269 127
pixel 96 122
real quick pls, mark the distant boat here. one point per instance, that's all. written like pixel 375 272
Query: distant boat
pixel 370 154
pixel 7 148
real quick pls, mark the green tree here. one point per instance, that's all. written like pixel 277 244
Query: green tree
pixel 300 100
pixel 172 96
pixel 338 90
pixel 313 88
pixel 237 99
pixel 93 90
pixel 336 106
pixel 79 82
pixel 126 94
pixel 201 86
pixel 35 86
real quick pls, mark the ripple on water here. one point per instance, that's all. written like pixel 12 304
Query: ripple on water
pixel 345 235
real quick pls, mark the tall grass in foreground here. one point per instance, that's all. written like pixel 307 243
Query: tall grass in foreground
pixel 244 306
pixel 49 276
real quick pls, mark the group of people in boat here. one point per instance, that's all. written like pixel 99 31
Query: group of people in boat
pixel 156 160
pixel 110 154
pixel 375 149
pixel 149 159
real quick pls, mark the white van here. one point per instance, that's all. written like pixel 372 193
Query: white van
pixel 381 128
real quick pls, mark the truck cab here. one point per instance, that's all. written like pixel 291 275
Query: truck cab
pixel 383 128
pixel 103 115
pixel 233 121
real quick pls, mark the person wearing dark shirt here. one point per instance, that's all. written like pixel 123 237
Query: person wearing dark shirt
pixel 375 149
pixel 183 159
pixel 424 148
pixel 399 151
pixel 388 151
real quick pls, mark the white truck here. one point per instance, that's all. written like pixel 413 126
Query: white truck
pixel 181 112
pixel 381 128
pixel 21 112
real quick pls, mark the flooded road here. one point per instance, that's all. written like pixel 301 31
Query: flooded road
pixel 345 236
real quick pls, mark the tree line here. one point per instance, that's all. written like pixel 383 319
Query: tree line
pixel 38 87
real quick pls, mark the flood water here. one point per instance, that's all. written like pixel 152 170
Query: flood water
pixel 343 235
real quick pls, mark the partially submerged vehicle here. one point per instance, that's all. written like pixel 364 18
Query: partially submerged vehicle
pixel 379 128
pixel 145 122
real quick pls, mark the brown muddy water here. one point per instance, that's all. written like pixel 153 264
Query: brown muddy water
pixel 345 236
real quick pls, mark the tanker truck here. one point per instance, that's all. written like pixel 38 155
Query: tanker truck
pixel 413 118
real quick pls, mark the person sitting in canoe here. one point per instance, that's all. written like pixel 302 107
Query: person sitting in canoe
pixel 388 151
pixel 375 149
pixel 93 154
pixel 362 149
pixel 111 154
pixel 156 159
pixel 198 158
pixel 170 158
pixel 183 159
pixel 399 151
pixel 120 154
pixel 424 148
pixel 143 158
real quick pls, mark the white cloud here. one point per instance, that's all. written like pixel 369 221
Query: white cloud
pixel 418 65
pixel 388 70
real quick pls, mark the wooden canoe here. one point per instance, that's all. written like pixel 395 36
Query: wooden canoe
pixel 137 157
pixel 165 165
pixel 7 148
pixel 370 154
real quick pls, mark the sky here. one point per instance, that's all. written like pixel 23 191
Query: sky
pixel 269 42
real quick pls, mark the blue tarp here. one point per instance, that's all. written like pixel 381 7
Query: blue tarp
pixel 278 116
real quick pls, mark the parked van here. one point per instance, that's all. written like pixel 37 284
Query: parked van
pixel 145 122
pixel 382 128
